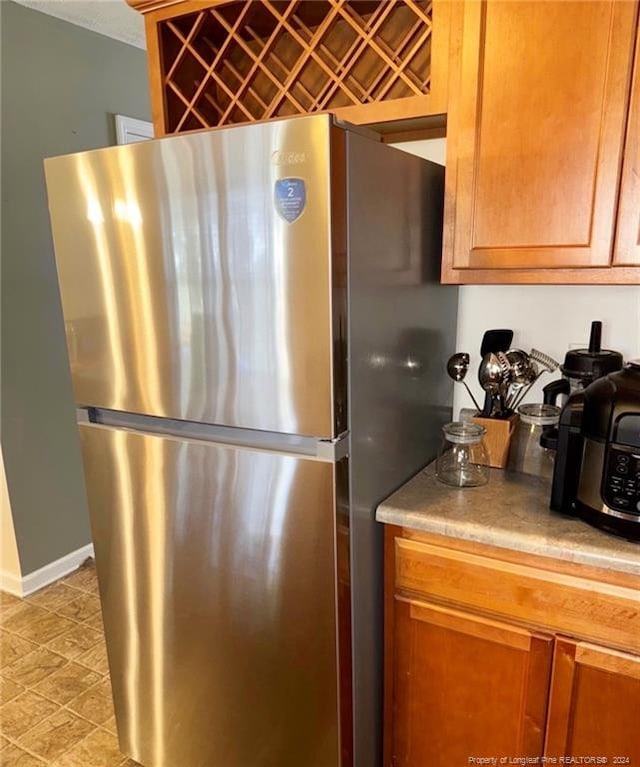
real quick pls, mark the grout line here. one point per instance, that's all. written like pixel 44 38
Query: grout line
pixel 16 742
pixel 95 726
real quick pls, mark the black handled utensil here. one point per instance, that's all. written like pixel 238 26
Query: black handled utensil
pixel 493 341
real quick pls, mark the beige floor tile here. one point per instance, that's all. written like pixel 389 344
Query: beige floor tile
pixel 99 749
pixel 34 667
pixel 9 689
pixel 36 624
pixel 52 597
pixel 82 608
pixel 96 622
pixel 66 684
pixel 111 725
pixel 8 600
pixel 20 616
pixel 12 648
pixel 84 578
pixel 96 705
pixel 13 756
pixel 96 658
pixel 26 711
pixel 76 641
pixel 45 629
pixel 57 734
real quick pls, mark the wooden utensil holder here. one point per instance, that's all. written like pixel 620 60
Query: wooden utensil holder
pixel 498 438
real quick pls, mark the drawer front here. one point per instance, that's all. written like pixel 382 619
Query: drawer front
pixel 558 602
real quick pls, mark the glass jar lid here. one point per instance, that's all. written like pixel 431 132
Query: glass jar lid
pixel 538 414
pixel 463 432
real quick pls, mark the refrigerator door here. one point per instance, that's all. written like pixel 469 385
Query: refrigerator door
pixel 196 276
pixel 217 575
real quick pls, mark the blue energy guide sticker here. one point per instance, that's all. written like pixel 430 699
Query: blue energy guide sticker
pixel 290 198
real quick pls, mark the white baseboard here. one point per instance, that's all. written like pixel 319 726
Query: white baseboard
pixel 22 587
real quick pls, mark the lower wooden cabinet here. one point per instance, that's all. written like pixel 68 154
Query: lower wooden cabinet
pixel 465 686
pixel 594 705
pixel 463 680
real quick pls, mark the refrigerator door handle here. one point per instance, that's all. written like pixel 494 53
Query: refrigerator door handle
pixel 333 449
pixel 328 450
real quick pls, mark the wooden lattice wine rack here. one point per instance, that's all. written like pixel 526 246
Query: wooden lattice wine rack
pixel 221 63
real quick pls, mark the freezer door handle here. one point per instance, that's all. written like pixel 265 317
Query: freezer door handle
pixel 329 450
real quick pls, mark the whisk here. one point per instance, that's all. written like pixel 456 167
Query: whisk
pixel 547 362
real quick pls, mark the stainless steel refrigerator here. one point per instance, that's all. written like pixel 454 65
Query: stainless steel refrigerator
pixel 257 341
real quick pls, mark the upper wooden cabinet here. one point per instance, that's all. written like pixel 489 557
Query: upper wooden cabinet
pixel 215 63
pixel 627 248
pixel 536 131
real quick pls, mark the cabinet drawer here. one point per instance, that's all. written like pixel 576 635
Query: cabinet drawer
pixel 559 602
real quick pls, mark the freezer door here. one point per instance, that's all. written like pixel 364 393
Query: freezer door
pixel 216 568
pixel 196 276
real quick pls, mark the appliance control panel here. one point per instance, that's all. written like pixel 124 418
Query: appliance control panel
pixel 621 481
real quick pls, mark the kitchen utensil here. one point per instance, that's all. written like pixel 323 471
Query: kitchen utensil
pixel 531 375
pixel 519 362
pixel 457 368
pixel 497 340
pixel 462 458
pixel 503 360
pixel 520 367
pixel 520 386
pixel 544 360
pixel 503 387
pixel 491 378
pixel 526 454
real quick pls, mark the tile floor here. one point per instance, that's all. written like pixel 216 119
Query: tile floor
pixel 55 693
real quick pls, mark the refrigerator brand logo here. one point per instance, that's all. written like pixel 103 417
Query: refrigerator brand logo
pixel 290 197
pixel 280 157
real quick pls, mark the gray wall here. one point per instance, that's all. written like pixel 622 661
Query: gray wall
pixel 61 86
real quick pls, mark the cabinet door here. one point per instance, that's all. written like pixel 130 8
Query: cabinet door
pixel 465 686
pixel 536 130
pixel 627 249
pixel 594 704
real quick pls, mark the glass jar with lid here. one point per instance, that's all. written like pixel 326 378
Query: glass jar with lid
pixel 526 454
pixel 462 458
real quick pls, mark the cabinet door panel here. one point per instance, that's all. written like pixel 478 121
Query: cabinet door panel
pixel 594 704
pixel 627 249
pixel 538 132
pixel 465 685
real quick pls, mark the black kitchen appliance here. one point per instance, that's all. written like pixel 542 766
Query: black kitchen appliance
pixel 609 478
pixel 581 368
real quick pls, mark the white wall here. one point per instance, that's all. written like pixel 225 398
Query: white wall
pixel 552 318
pixel 434 149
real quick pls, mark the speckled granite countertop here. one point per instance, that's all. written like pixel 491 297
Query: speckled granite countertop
pixel 512 512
